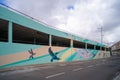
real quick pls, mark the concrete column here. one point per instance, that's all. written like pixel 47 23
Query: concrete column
pixel 94 47
pixel 71 43
pixel 85 45
pixel 10 32
pixel 50 40
pixel 100 48
pixel 34 40
pixel 105 48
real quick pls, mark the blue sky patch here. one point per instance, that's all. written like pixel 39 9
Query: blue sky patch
pixel 70 7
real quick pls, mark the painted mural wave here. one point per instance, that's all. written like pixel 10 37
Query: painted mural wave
pixel 65 55
pixel 36 60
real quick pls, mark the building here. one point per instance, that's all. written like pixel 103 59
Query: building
pixel 116 49
pixel 20 33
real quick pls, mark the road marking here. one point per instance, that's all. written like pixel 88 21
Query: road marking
pixel 98 64
pixel 25 69
pixel 103 60
pixel 77 69
pixel 62 64
pixel 47 67
pixel 19 71
pixel 90 66
pixel 54 75
pixel 78 63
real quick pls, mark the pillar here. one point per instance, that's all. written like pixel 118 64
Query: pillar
pixel 71 43
pixel 105 49
pixel 85 45
pixel 50 40
pixel 10 31
pixel 94 47
pixel 100 48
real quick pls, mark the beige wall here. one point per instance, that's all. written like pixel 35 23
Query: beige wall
pixel 6 59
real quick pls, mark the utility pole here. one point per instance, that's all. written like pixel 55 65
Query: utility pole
pixel 101 30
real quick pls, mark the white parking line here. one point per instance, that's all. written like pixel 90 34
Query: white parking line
pixel 77 69
pixel 25 69
pixel 62 64
pixel 103 60
pixel 54 75
pixel 90 66
pixel 19 71
pixel 47 67
pixel 98 64
pixel 78 63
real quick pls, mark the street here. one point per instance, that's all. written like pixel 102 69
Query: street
pixel 99 69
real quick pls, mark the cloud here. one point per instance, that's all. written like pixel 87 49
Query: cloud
pixel 83 17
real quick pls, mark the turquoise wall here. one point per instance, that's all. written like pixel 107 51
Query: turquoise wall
pixel 7 48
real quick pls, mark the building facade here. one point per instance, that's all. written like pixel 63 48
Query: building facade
pixel 26 41
pixel 116 49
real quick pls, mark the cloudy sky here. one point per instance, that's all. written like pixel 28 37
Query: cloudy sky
pixel 81 17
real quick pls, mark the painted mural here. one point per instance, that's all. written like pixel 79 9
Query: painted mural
pixel 53 55
pixel 85 53
pixel 47 54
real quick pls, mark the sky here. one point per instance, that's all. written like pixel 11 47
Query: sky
pixel 80 17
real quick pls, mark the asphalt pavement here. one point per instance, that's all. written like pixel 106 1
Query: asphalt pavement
pixel 99 69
